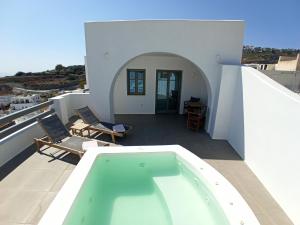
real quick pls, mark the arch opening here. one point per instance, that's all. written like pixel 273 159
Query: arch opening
pixel 192 83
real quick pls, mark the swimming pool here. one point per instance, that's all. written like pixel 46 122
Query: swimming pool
pixel 161 185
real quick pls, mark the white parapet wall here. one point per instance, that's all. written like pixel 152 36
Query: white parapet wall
pixel 17 142
pixel 64 105
pixel 289 79
pixel 260 119
pixel 271 117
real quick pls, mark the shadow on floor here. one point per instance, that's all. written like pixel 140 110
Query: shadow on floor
pixel 171 129
pixel 147 130
pixel 16 161
pixel 53 154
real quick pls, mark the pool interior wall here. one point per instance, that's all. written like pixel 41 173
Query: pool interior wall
pixel 144 189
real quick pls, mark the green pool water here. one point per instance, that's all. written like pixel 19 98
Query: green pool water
pixel 144 189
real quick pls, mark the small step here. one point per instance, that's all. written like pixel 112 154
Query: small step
pixel 185 203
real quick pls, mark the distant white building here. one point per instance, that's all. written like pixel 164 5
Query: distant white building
pixel 23 102
pixel 261 66
pixel 5 100
pixel 286 63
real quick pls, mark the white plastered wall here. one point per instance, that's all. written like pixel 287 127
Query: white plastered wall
pixel 192 84
pixel 66 105
pixel 261 122
pixel 17 142
pixel 111 45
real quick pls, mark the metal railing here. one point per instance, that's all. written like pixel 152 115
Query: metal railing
pixel 11 117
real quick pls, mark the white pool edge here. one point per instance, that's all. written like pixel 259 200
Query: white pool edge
pixel 234 206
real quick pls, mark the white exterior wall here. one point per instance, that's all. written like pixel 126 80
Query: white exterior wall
pixel 288 65
pixel 110 45
pixel 259 118
pixel 20 106
pixel 230 116
pixel 289 79
pixel 86 86
pixel 15 143
pixel 271 114
pixel 65 105
pixel 23 102
pixel 5 100
pixel 192 84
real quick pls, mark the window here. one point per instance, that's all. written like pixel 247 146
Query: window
pixel 136 82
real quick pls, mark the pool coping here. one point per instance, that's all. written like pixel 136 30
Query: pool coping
pixel 234 206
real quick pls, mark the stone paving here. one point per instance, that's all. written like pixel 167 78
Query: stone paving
pixel 30 182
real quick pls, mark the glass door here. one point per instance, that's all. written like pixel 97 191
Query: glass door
pixel 168 84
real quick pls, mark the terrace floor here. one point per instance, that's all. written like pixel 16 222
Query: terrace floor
pixel 31 180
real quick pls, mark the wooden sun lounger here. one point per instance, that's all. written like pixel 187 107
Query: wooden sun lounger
pixel 89 117
pixel 59 137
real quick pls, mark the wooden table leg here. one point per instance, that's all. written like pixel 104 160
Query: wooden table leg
pixel 113 138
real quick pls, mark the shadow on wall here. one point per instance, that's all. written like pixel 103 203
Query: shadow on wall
pixel 237 128
pixel 229 120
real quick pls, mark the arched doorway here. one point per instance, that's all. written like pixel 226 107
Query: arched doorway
pixel 153 83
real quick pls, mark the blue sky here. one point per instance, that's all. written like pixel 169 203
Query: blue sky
pixel 35 35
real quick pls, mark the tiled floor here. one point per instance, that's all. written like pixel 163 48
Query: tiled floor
pixel 27 191
pixel 170 129
pixel 30 182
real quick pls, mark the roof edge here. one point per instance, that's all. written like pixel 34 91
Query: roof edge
pixel 162 20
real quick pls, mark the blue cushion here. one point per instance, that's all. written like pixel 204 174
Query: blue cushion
pixel 194 99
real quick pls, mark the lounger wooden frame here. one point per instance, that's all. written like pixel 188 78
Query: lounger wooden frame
pixel 104 131
pixel 112 133
pixel 40 142
pixel 49 141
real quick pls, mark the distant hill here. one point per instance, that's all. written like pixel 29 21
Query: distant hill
pixel 59 70
pixel 69 77
pixel 261 55
pixel 3 74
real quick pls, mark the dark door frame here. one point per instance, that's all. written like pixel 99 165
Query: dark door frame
pixel 179 89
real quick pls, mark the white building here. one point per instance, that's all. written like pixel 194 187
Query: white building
pixel 189 52
pixel 140 67
pixel 151 67
pixel 286 63
pixel 23 102
pixel 5 100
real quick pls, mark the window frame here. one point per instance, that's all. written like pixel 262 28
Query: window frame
pixel 136 82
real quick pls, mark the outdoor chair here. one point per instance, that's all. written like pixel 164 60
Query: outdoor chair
pixel 89 117
pixel 59 137
pixel 196 118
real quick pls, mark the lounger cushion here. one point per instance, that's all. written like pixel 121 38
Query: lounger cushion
pixel 54 128
pixel 108 126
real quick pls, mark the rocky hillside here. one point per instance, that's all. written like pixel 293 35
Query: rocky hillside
pixel 253 54
pixel 69 77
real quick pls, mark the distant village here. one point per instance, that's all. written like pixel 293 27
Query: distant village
pixel 24 90
pixel 281 65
